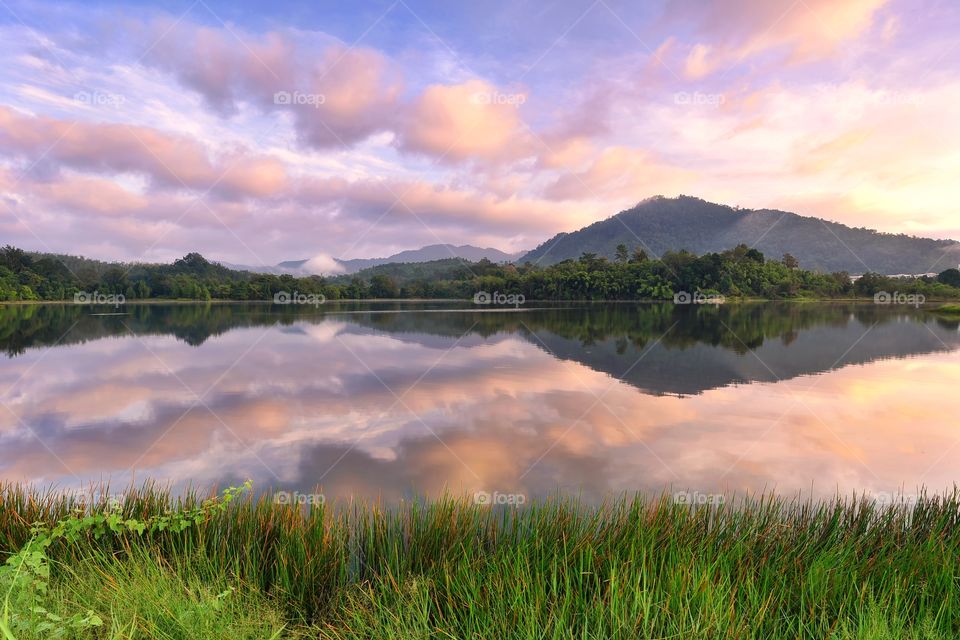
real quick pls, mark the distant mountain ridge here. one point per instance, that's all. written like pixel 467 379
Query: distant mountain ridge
pixel 428 253
pixel 662 224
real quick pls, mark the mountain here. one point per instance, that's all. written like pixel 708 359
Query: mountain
pixel 430 253
pixel 425 254
pixel 403 273
pixel 276 270
pixel 661 224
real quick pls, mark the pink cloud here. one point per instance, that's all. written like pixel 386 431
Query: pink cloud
pixel 734 30
pixel 601 140
pixel 94 195
pixel 619 172
pixel 437 207
pixel 221 66
pixel 564 154
pixel 354 93
pixel 470 120
pixel 257 177
pixel 338 95
pixel 168 160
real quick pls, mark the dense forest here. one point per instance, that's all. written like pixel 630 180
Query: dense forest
pixel 741 272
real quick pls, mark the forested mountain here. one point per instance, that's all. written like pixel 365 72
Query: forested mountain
pixel 405 272
pixel 660 224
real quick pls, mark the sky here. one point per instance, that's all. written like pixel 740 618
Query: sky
pixel 258 132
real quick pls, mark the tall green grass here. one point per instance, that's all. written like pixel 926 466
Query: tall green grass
pixel 634 567
pixel 948 310
pixel 141 596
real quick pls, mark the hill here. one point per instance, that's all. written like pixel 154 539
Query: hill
pixel 405 272
pixel 670 224
pixel 428 253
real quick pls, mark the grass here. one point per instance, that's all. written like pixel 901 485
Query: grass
pixel 143 596
pixel 635 567
pixel 948 310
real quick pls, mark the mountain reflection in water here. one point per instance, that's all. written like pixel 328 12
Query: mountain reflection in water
pixel 397 399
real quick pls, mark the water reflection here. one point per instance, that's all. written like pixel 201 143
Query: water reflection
pixel 390 400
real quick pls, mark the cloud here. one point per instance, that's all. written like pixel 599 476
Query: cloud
pixel 168 160
pixel 619 172
pixel 696 64
pixel 337 95
pixel 323 264
pixel 352 156
pixel 732 31
pixel 97 215
pixel 96 195
pixel 355 94
pixel 224 68
pixel 258 177
pixel 470 120
pixel 855 152
pixel 436 208
pixel 564 154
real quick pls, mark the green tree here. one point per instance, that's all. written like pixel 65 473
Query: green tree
pixel 871 283
pixel 639 256
pixel 950 277
pixel 382 286
pixel 14 259
pixel 114 280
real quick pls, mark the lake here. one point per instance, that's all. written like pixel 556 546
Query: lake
pixel 393 400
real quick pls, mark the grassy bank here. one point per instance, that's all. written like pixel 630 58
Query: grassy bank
pixel 244 567
pixel 949 310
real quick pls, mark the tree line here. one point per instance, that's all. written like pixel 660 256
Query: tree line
pixel 741 272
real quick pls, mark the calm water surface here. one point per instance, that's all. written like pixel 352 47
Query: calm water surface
pixel 393 400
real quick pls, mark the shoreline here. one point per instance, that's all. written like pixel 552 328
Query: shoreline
pixel 729 301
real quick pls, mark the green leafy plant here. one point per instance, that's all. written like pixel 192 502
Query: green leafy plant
pixel 25 576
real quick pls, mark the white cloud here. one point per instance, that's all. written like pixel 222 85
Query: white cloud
pixel 323 264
